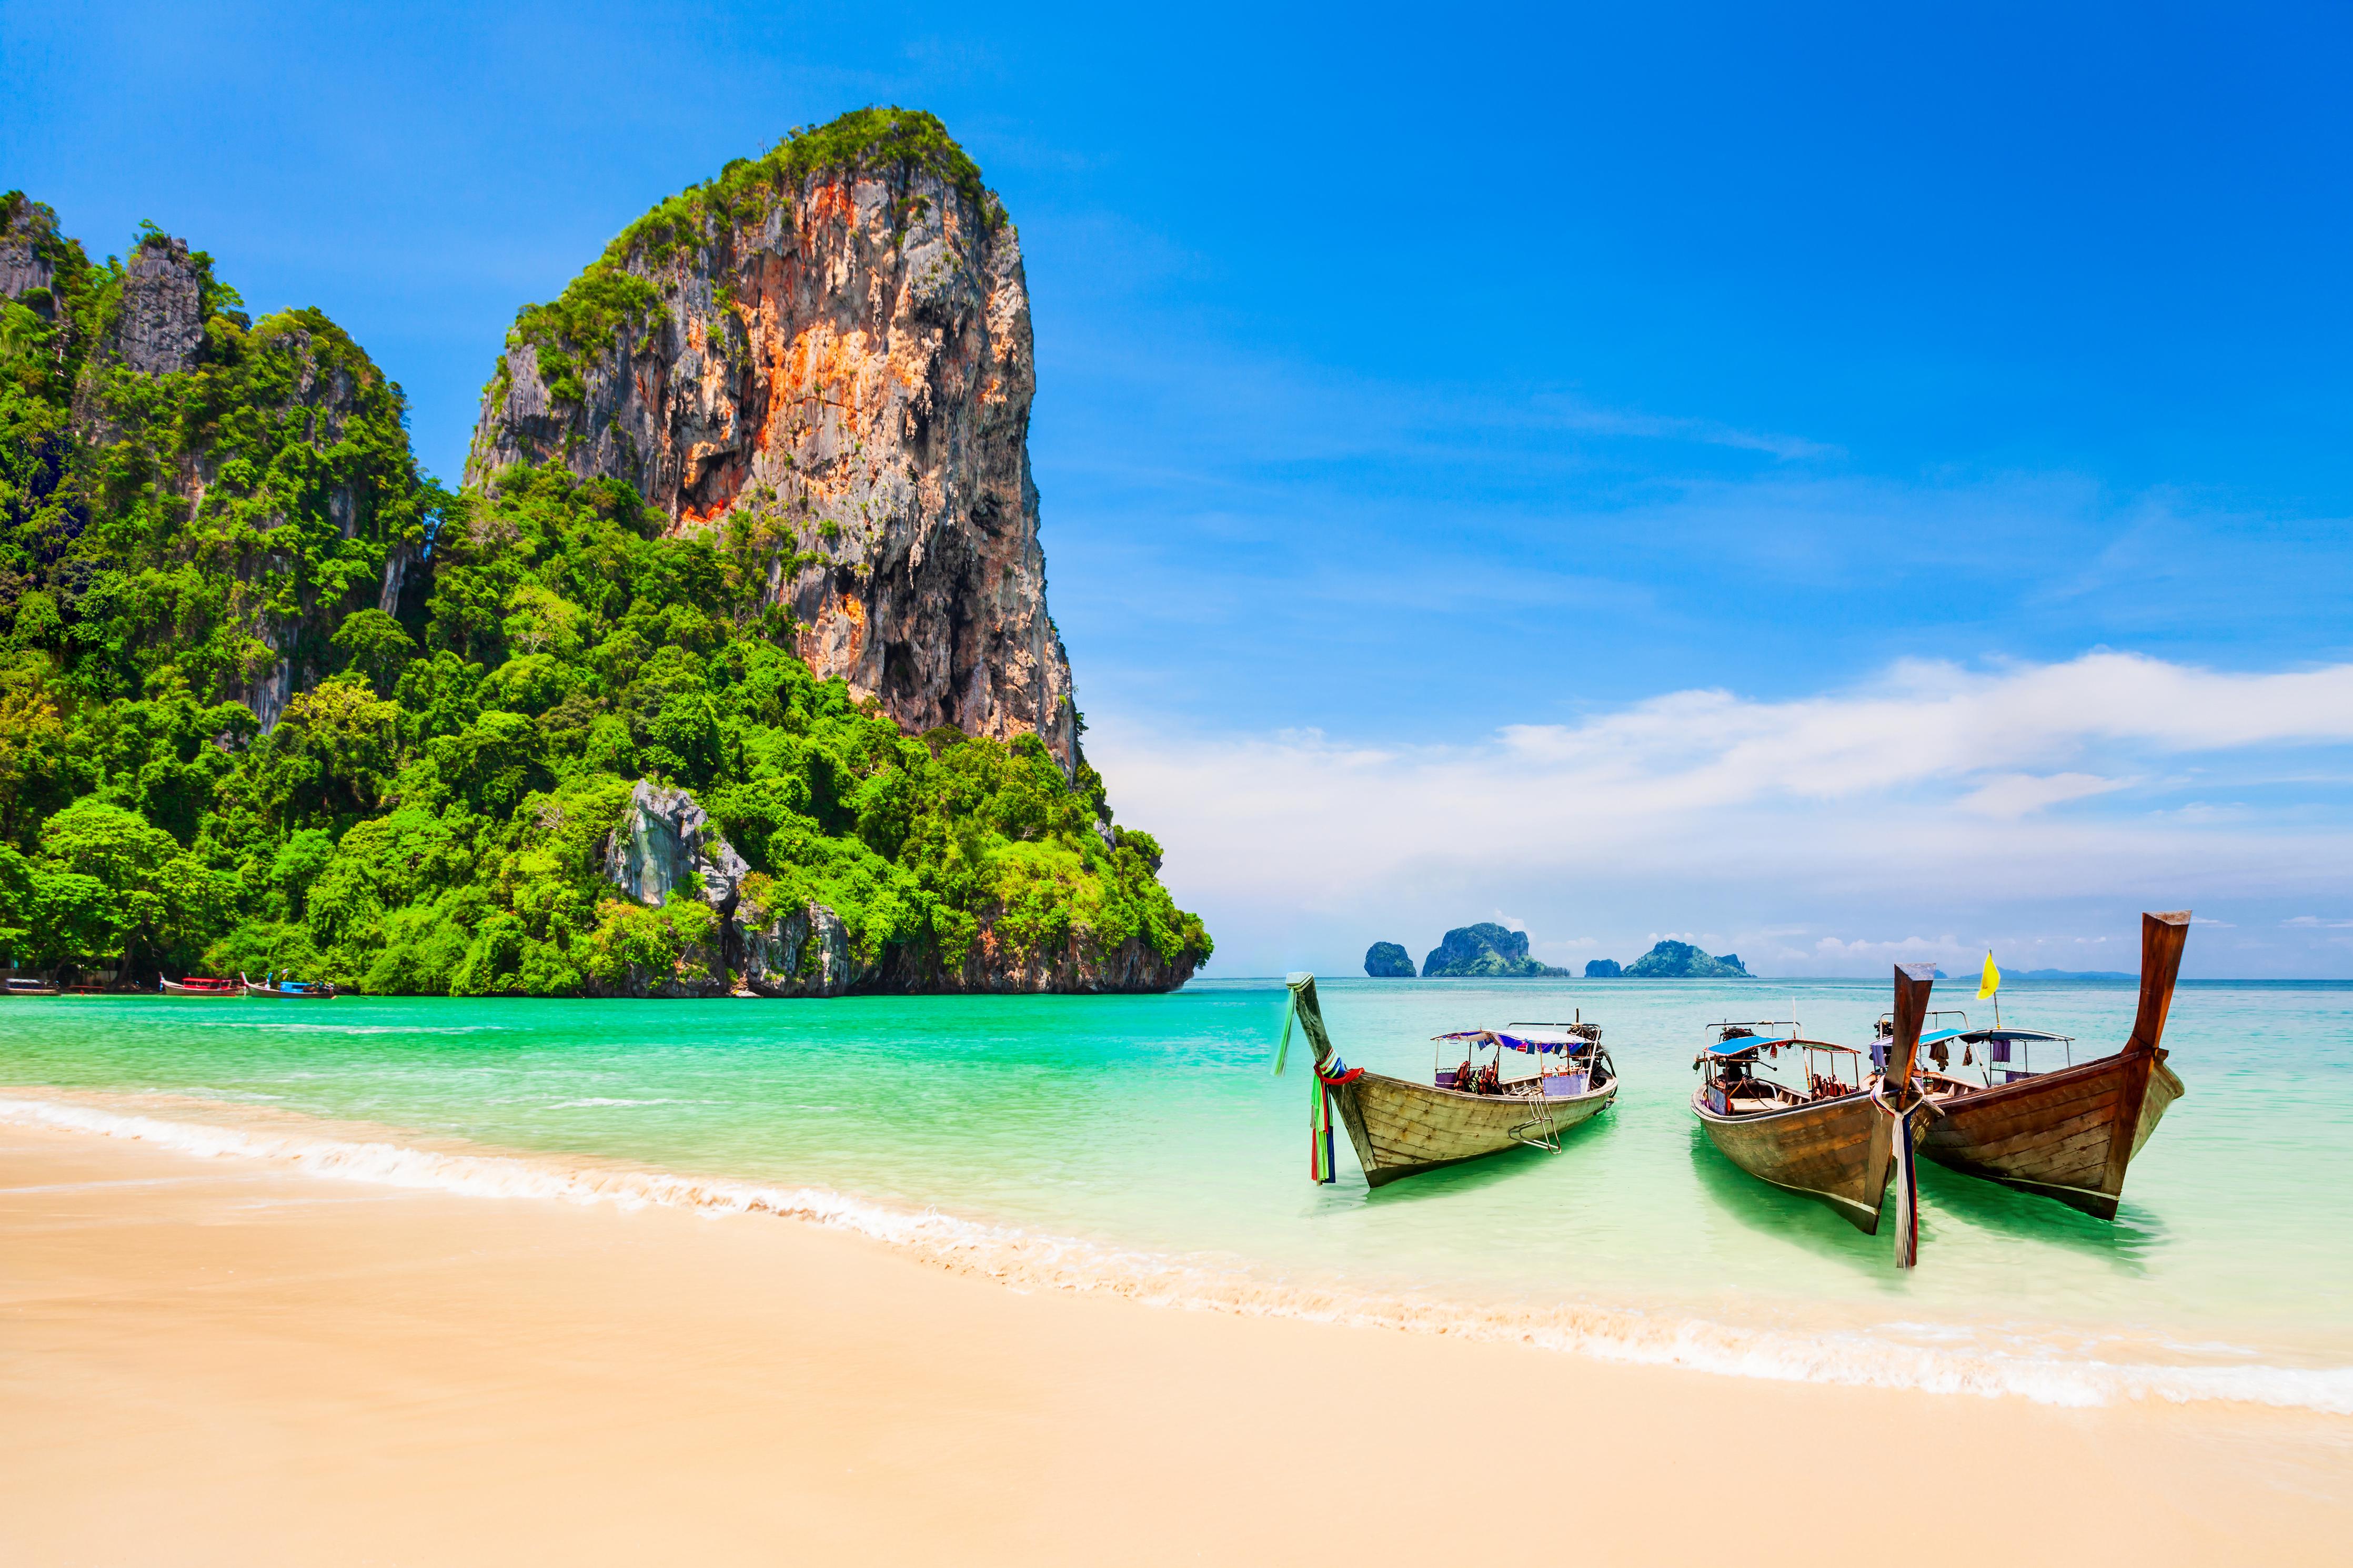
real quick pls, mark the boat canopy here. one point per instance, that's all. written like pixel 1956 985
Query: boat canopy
pixel 1975 1036
pixel 1516 1042
pixel 1938 1036
pixel 1741 1044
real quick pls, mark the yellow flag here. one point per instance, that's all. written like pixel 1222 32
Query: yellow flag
pixel 1991 980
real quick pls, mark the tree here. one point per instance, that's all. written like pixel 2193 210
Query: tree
pixel 157 897
pixel 376 645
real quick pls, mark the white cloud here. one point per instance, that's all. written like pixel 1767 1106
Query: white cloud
pixel 2314 923
pixel 1933 784
pixel 2020 795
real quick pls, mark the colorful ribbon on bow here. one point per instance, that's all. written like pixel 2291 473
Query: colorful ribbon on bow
pixel 1322 1161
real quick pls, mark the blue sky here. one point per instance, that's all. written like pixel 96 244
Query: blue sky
pixel 1424 392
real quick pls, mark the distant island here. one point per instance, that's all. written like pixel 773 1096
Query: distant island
pixel 1485 950
pixel 2069 974
pixel 1388 960
pixel 1672 960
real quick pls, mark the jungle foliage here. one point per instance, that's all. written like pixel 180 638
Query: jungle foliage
pixel 426 814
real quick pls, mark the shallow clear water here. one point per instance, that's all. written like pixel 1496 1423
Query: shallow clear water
pixel 1152 1124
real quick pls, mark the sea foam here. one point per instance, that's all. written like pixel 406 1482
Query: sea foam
pixel 1029 1259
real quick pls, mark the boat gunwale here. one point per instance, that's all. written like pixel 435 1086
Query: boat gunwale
pixel 1976 1095
pixel 1608 1089
pixel 1751 1118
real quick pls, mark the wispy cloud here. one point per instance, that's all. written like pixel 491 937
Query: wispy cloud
pixel 1587 419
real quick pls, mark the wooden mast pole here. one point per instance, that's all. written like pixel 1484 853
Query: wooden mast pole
pixel 1913 984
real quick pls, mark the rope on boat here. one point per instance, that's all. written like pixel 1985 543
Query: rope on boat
pixel 1322 1162
pixel 1322 1167
pixel 1908 1179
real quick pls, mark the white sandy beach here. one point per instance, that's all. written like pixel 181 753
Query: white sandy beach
pixel 220 1361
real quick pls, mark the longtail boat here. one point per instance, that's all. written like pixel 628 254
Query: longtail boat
pixel 1838 1141
pixel 2067 1132
pixel 290 990
pixel 200 985
pixel 1400 1128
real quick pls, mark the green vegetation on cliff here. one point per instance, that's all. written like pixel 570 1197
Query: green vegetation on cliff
pixel 463 688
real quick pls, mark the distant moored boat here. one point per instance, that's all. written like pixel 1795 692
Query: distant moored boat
pixel 202 985
pixel 288 989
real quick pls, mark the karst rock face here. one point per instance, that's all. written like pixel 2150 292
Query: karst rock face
pixel 162 327
pixel 830 355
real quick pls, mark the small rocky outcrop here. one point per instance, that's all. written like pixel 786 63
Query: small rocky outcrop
pixel 665 843
pixel 665 840
pixel 804 952
pixel 1602 969
pixel 1388 960
pixel 829 347
pixel 1682 960
pixel 1485 950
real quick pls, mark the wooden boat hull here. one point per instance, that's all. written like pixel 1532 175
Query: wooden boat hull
pixel 174 988
pixel 1839 1150
pixel 1401 1128
pixel 2068 1134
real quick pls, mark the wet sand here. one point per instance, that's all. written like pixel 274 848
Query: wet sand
pixel 221 1360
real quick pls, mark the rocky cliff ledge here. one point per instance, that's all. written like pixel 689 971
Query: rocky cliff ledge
pixel 826 352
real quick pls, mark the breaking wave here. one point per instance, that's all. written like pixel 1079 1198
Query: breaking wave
pixel 1029 1259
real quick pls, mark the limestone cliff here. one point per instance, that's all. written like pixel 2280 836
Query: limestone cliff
pixel 1388 960
pixel 826 351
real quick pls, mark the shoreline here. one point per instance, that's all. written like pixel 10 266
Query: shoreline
pixel 274 1364
pixel 1012 1256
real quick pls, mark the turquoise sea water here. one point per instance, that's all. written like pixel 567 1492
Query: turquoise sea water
pixel 1127 1138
